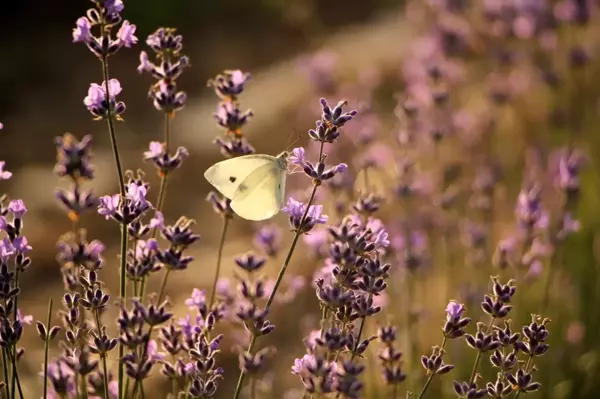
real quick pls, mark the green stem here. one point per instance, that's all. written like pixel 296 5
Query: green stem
pixel 14 349
pixel 218 268
pixel 430 378
pixel 111 130
pixel 286 262
pixel 161 295
pixel 121 180
pixel 5 367
pixel 551 270
pixel 162 191
pixel 13 359
pixel 46 348
pixel 103 357
pixel 123 295
pixel 478 357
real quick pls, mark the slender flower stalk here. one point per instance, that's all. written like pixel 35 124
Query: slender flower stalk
pixel 46 350
pixel 213 290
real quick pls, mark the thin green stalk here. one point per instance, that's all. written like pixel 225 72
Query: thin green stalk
pixel 430 378
pixel 551 271
pixel 162 191
pixel 478 357
pixel 219 257
pixel 13 359
pixel 123 294
pixel 121 180
pixel 360 331
pixel 5 367
pixel 14 348
pixel 46 348
pixel 161 295
pixel 286 262
pixel 103 358
pixel 111 130
pixel 174 380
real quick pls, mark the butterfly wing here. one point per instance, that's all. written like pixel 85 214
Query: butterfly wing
pixel 261 195
pixel 226 176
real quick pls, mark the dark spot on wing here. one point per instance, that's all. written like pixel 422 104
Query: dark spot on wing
pixel 232 179
pixel 242 187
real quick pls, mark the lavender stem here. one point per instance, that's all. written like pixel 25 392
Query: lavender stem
pixel 103 356
pixel 13 360
pixel 14 349
pixel 5 367
pixel 162 191
pixel 219 257
pixel 430 378
pixel 478 357
pixel 46 349
pixel 115 148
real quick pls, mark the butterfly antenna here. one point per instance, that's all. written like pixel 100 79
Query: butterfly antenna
pixel 289 145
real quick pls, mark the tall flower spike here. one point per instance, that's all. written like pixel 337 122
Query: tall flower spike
pixel 296 211
pixel 106 14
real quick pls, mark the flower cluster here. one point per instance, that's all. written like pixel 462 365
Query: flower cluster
pixel 228 86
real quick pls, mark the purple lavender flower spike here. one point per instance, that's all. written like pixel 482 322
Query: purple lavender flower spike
pixel 6 250
pixel 230 84
pixel 197 300
pixel 82 30
pixel 236 146
pixel 114 6
pixel 297 157
pixel 230 117
pixel 95 101
pixel 268 238
pixel 73 157
pixel 17 208
pixel 4 174
pixel 328 128
pixel 317 172
pixel 125 35
pixel 128 209
pixel 109 205
pixel 296 211
pixel 166 98
pixel 163 161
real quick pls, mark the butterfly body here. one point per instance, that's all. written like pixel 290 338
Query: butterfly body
pixel 254 183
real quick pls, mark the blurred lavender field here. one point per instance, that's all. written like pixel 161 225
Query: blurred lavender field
pixel 439 236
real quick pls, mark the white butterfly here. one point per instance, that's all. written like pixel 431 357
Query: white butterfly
pixel 254 183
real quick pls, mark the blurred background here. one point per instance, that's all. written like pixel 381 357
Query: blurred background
pixel 298 51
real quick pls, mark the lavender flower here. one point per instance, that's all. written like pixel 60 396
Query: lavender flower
pixel 106 15
pixel 229 84
pixel 125 210
pixel 4 174
pixel 296 211
pixel 96 100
